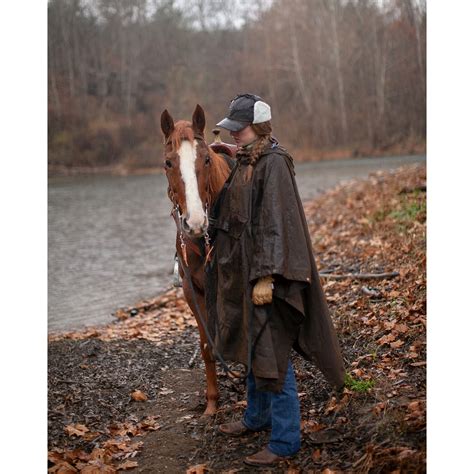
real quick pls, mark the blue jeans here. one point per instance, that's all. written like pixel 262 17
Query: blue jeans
pixel 281 411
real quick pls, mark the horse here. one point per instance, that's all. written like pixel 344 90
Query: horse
pixel 196 173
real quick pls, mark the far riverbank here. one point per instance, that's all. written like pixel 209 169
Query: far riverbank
pixel 134 168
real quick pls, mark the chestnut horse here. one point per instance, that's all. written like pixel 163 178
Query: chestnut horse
pixel 196 175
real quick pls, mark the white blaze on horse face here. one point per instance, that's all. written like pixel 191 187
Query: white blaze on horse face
pixel 187 162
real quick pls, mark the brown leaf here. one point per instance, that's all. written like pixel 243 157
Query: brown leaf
pixel 310 426
pixel 149 423
pixel 414 406
pixel 379 407
pixel 403 328
pixel 398 343
pixel 55 456
pixel 358 372
pixel 76 454
pixel 139 396
pixel 386 339
pixel 62 467
pixel 101 455
pixel 98 467
pixel 91 435
pixel 389 325
pixel 316 455
pixel 127 465
pixel 197 469
pixel 77 429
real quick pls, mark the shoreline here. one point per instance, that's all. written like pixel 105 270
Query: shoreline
pixel 300 156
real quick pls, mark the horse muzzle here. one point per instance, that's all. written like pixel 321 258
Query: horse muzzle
pixel 194 230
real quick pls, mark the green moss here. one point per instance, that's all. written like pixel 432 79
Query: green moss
pixel 412 207
pixel 358 385
pixel 409 211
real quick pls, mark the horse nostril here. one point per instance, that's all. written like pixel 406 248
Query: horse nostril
pixel 185 225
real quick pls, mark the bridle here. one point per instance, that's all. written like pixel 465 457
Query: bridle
pixel 177 213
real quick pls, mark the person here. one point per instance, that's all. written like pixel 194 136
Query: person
pixel 264 296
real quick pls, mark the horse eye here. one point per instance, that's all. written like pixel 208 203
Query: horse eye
pixel 208 160
pixel 168 163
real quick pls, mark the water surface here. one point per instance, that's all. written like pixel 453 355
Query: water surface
pixel 111 240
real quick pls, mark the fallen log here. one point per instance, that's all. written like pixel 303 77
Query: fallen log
pixel 360 276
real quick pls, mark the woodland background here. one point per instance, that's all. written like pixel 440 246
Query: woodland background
pixel 344 77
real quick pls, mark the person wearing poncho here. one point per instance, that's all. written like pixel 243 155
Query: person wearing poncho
pixel 263 295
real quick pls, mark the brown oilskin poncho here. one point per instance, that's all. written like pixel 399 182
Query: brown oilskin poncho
pixel 261 229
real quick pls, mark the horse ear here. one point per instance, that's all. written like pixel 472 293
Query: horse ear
pixel 167 123
pixel 199 120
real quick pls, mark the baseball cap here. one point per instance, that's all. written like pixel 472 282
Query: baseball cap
pixel 244 110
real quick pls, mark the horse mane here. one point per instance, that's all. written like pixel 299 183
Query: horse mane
pixel 220 174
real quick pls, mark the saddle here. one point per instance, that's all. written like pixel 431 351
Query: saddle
pixel 225 149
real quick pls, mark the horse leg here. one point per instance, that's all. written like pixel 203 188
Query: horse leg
pixel 212 393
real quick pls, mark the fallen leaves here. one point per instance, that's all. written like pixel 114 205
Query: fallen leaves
pixel 155 320
pixel 103 458
pixel 393 459
pixel 370 227
pixel 416 414
pixel 335 405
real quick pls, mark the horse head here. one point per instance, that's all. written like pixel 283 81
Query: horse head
pixel 188 161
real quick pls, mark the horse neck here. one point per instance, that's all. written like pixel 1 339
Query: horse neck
pixel 219 173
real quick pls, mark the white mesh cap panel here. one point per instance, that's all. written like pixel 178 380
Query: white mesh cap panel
pixel 261 112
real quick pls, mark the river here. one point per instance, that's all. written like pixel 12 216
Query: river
pixel 111 239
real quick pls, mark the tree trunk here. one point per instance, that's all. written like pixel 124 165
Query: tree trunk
pixel 339 77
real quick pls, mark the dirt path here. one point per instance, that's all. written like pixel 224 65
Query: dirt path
pixel 178 411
